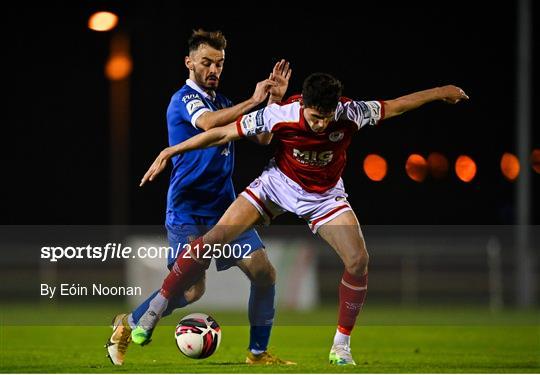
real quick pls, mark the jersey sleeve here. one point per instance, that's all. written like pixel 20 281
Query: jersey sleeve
pixel 360 112
pixel 192 106
pixel 261 121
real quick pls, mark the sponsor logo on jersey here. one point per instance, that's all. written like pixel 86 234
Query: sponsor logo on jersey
pixel 189 97
pixel 194 105
pixel 253 123
pixel 314 158
pixel 339 199
pixel 336 136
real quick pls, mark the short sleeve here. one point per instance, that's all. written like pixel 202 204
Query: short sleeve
pixel 261 121
pixel 360 112
pixel 192 106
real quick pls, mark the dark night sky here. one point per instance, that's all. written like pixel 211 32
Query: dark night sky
pixel 58 104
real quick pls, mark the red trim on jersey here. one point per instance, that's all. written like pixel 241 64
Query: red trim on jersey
pixel 339 208
pixel 381 102
pixel 259 202
pixel 238 127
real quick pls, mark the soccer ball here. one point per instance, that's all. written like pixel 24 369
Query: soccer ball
pixel 197 335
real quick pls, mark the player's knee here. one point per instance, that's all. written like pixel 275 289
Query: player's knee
pixel 264 276
pixel 357 264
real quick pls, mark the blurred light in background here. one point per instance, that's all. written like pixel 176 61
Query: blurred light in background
pixel 416 167
pixel 465 168
pixel 102 21
pixel 118 67
pixel 535 160
pixel 375 167
pixel 510 166
pixel 438 165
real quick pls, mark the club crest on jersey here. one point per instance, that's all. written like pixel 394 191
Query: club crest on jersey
pixel 314 158
pixel 336 136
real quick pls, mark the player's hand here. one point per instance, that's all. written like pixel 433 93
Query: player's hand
pixel 157 166
pixel 262 89
pixel 452 94
pixel 281 75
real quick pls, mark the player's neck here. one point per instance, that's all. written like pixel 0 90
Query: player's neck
pixel 207 91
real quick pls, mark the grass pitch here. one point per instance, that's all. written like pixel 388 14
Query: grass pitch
pixel 388 340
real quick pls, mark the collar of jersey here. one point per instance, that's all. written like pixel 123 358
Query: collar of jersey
pixel 196 87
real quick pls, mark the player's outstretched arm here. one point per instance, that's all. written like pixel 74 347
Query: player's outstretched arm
pixel 212 119
pixel 210 138
pixel 450 94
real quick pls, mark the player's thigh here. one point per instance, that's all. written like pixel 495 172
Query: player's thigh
pixel 239 217
pixel 258 268
pixel 345 236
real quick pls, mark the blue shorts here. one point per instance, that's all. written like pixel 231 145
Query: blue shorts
pixel 186 228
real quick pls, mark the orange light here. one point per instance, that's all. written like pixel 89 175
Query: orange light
pixel 102 21
pixel 438 164
pixel 465 168
pixel 375 167
pixel 535 160
pixel 416 167
pixel 118 67
pixel 509 166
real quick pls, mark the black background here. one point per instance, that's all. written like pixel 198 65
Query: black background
pixel 57 130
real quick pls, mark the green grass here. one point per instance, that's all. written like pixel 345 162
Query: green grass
pixel 389 340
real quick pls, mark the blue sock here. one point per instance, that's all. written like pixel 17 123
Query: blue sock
pixel 173 304
pixel 261 316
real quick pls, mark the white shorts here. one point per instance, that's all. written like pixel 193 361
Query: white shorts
pixel 273 193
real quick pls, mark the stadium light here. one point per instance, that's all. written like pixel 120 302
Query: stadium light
pixel 118 67
pixel 375 167
pixel 510 166
pixel 535 160
pixel 437 164
pixel 465 168
pixel 102 21
pixel 416 167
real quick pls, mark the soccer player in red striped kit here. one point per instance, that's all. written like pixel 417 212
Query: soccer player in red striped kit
pixel 312 132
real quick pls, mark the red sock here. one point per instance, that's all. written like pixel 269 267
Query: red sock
pixel 185 271
pixel 352 293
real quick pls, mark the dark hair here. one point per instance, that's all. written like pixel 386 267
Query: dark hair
pixel 322 92
pixel 214 39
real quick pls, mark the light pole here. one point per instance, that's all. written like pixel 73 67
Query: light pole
pixel 117 69
pixel 525 258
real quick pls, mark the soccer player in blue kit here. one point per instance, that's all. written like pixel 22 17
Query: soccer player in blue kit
pixel 201 189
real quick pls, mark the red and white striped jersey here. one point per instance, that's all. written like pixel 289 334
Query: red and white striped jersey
pixel 313 160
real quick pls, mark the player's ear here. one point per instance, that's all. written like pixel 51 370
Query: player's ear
pixel 188 62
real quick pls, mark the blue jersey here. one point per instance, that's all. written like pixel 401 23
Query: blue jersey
pixel 201 180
